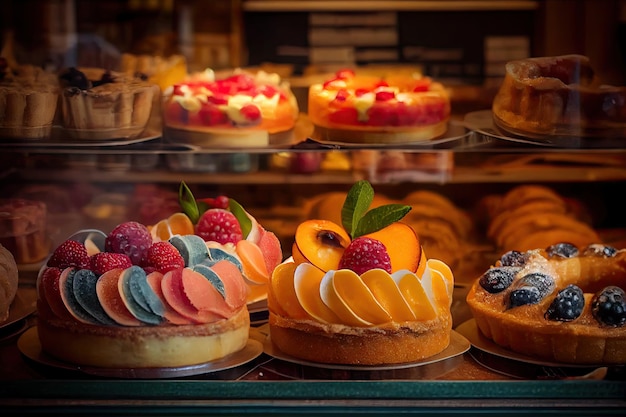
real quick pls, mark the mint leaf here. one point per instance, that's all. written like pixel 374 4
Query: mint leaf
pixel 379 218
pixel 188 203
pixel 242 217
pixel 357 203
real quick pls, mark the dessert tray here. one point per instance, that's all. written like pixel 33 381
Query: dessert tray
pixel 481 122
pixel 24 304
pixel 510 363
pixel 59 139
pixel 458 345
pixel 28 344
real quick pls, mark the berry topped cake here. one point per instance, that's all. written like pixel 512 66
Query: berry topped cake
pixel 241 109
pixel 360 293
pixel 368 109
pixel 133 299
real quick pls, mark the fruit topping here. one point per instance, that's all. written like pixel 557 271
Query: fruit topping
pixel 563 250
pixel 514 258
pixel 163 257
pixel 69 253
pixel 600 250
pixel 364 254
pixel 567 305
pixel 102 262
pixel 498 279
pixel 84 288
pixel 219 225
pixel 609 306
pixel 531 289
pixel 130 238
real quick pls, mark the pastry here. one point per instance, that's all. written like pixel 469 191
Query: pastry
pixel 558 304
pixel 23 229
pixel 103 105
pixel 28 102
pixel 360 295
pixel 238 109
pixel 558 95
pixel 8 282
pixel 368 109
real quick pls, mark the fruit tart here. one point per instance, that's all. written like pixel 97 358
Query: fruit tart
pixel 360 293
pixel 368 109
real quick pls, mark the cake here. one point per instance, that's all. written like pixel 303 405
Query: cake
pixel 23 230
pixel 369 109
pixel 28 102
pixel 8 282
pixel 139 298
pixel 558 95
pixel 101 105
pixel 360 293
pixel 238 109
pixel 559 304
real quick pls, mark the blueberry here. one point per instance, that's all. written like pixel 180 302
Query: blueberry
pixel 513 258
pixel 609 306
pixel 567 305
pixel 563 250
pixel 75 78
pixel 531 289
pixel 498 279
pixel 600 250
pixel 524 295
pixel 106 78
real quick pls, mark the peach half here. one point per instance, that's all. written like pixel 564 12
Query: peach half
pixel 321 243
pixel 403 245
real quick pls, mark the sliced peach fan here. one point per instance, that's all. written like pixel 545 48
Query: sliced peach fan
pixel 176 224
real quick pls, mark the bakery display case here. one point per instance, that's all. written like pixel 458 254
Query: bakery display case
pixel 476 192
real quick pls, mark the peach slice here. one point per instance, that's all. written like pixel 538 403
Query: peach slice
pixel 358 297
pixel 154 280
pixel 270 247
pixel 306 280
pixel 322 243
pixel 387 293
pixel 446 272
pixel 284 291
pixel 109 295
pixel 421 266
pixel 337 304
pixel 403 245
pixel 203 296
pixel 235 288
pixel 256 292
pixel 440 290
pixel 252 261
pixel 415 294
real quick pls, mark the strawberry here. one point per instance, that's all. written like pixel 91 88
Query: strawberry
pixel 130 238
pixel 363 254
pixel 219 225
pixel 102 262
pixel 163 257
pixel 69 253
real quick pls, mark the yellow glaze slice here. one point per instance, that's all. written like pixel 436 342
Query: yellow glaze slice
pixel 358 297
pixel 284 291
pixel 440 290
pixel 421 267
pixel 307 279
pixel 387 293
pixel 336 304
pixel 414 293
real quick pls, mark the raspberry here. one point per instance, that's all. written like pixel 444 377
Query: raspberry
pixel 363 254
pixel 130 238
pixel 609 306
pixel 219 225
pixel 251 112
pixel 567 305
pixel 106 261
pixel 498 279
pixel 163 257
pixel 69 253
pixel 563 250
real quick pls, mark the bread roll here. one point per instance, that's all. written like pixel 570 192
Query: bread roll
pixel 8 282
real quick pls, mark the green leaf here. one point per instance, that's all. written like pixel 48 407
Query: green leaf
pixel 379 218
pixel 188 203
pixel 242 217
pixel 357 203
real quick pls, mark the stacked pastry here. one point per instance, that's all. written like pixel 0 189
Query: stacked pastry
pixel 533 216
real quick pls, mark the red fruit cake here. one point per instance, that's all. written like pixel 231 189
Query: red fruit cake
pixel 372 109
pixel 240 109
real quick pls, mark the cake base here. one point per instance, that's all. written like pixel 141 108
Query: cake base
pixel 378 345
pixel 145 346
pixel 382 136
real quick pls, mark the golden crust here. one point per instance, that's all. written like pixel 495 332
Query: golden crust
pixel 386 344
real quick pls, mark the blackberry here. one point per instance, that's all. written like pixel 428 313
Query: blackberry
pixel 531 289
pixel 609 306
pixel 524 295
pixel 605 251
pixel 498 279
pixel 567 305
pixel 563 250
pixel 513 258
